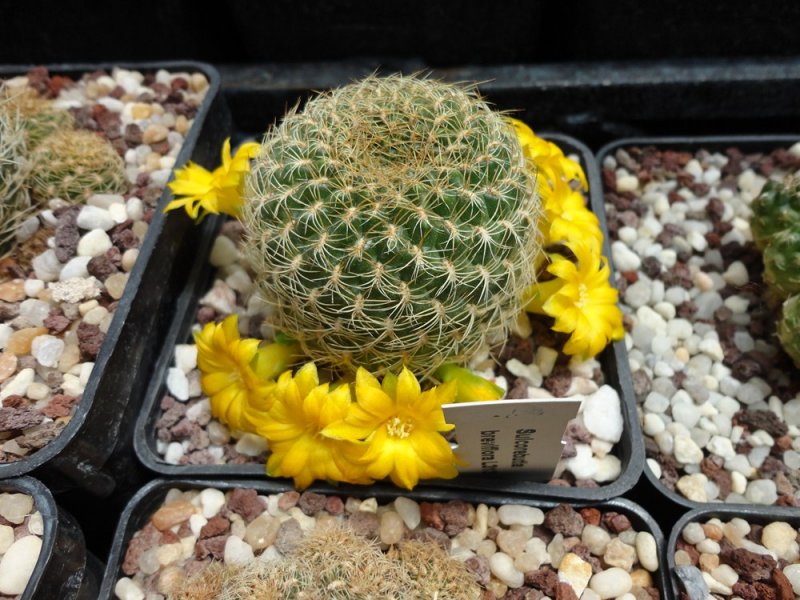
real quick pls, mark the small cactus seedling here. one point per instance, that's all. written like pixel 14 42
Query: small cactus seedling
pixel 775 209
pixel 782 261
pixel 40 118
pixel 393 222
pixel 789 328
pixel 14 198
pixel 435 573
pixel 75 164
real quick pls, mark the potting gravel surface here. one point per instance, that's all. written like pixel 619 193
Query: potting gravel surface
pixel 61 284
pixel 738 559
pixel 527 366
pixel 514 551
pixel 717 396
pixel 21 531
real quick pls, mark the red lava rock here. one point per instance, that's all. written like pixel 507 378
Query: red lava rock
pixel 364 523
pixel 168 537
pixel 519 390
pixel 762 419
pixel 67 235
pixel 564 591
pixel 429 534
pixel 334 505
pixel 183 429
pixel 213 547
pixel 694 555
pixel 216 526
pixel 456 517
pixel 247 503
pixel 565 520
pixel 430 514
pixel 479 567
pixel 783 586
pixel 765 591
pixel 16 401
pixel 544 579
pixel 750 566
pixel 60 405
pixel 311 503
pixel 558 382
pixel 141 542
pixel 289 536
pixel 519 348
pixel 125 240
pixel 41 437
pixel 90 339
pixel 57 323
pixel 746 591
pixel 591 516
pixel 288 500
pixel 101 267
pixel 133 135
pixel 19 418
pixel 616 522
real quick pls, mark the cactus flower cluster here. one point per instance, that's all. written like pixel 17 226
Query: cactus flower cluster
pixel 775 225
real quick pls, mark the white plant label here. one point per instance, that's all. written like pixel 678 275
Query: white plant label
pixel 522 436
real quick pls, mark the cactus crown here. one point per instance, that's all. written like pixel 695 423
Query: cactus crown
pixel 776 208
pixel 75 164
pixel 40 118
pixel 782 261
pixel 14 198
pixel 393 221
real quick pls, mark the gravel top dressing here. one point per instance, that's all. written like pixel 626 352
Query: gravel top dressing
pixel 717 396
pixel 67 270
pixel 510 552
pixel 21 530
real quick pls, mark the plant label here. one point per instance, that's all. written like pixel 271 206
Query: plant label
pixel 521 436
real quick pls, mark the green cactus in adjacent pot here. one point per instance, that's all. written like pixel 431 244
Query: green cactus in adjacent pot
pixel 789 328
pixel 392 221
pixel 39 116
pixel 75 164
pixel 776 208
pixel 782 261
pixel 14 199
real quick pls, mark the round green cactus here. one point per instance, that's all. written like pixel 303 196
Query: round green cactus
pixel 39 116
pixel 776 208
pixel 789 328
pixel 14 198
pixel 75 164
pixel 393 221
pixel 782 261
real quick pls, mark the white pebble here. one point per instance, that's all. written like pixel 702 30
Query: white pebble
pixel 174 453
pixel 47 350
pixel 212 501
pixel 127 589
pixel 611 583
pixel 237 552
pixel 251 445
pixel 519 514
pixel 178 384
pixel 624 258
pixel 761 491
pixel 185 357
pixel 76 268
pixel 93 217
pixel 602 414
pixel 94 243
pixel 18 563
pixel 409 511
pixel 502 567
pixel 647 551
pixel 224 252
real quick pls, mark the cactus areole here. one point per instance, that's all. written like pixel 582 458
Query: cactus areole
pixel 392 222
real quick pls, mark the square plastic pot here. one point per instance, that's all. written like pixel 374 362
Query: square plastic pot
pixel 149 499
pixel 93 451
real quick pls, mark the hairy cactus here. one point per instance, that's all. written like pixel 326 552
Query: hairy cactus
pixel 40 118
pixel 75 164
pixel 14 198
pixel 782 261
pixel 789 328
pixel 434 572
pixel 392 221
pixel 775 209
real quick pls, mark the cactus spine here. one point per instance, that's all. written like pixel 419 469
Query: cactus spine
pixel 393 221
pixel 39 117
pixel 14 198
pixel 789 328
pixel 75 164
pixel 776 208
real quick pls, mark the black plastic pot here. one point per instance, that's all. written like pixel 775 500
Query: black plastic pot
pixel 93 452
pixel 150 497
pixel 691 144
pixel 753 514
pixel 613 360
pixel 60 570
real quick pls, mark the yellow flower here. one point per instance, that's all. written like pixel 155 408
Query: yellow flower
pixel 548 158
pixel 469 387
pixel 401 428
pixel 581 301
pixel 302 408
pixel 236 392
pixel 214 192
pixel 573 223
